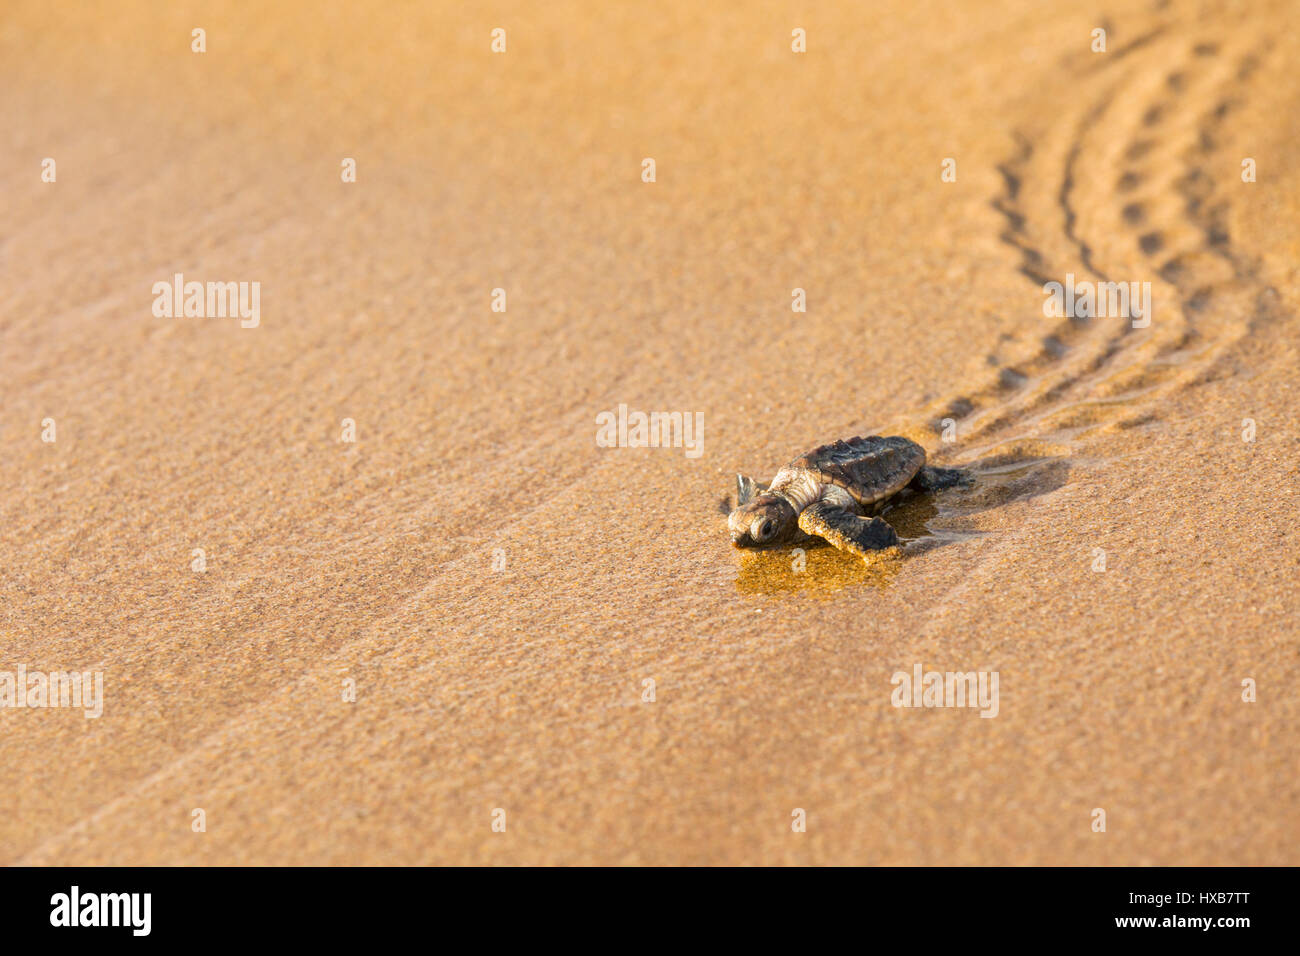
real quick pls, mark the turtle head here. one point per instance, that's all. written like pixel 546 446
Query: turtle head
pixel 763 520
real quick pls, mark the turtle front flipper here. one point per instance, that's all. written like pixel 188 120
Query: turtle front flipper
pixel 847 531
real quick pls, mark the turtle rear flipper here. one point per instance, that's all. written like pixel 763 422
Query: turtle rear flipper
pixel 934 478
pixel 847 531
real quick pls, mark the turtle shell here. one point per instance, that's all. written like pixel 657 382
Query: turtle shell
pixel 869 468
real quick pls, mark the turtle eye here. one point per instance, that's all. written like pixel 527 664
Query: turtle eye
pixel 764 530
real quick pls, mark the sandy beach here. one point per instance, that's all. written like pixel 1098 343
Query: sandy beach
pixel 358 651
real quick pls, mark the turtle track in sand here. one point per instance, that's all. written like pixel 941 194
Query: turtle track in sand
pixel 1129 183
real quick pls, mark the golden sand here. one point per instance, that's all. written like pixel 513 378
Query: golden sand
pixel 522 688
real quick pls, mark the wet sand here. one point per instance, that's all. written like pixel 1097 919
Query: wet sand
pixel 520 686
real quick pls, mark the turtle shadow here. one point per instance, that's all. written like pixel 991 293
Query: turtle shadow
pixel 924 521
pixel 927 521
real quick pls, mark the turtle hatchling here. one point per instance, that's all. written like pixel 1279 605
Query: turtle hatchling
pixel 834 492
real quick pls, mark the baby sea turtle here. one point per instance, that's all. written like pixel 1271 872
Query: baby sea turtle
pixel 833 492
